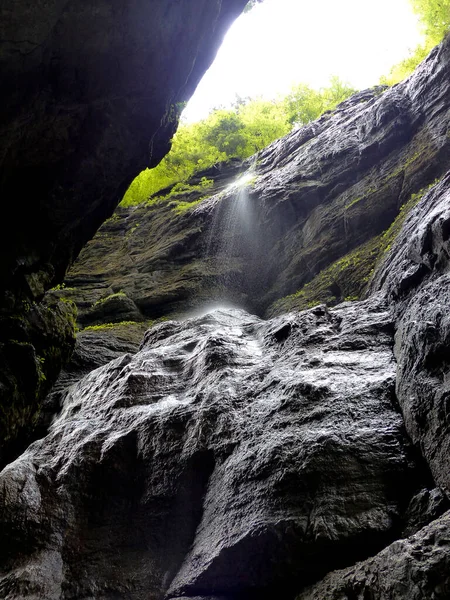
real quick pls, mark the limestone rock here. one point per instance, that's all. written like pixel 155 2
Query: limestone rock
pixel 94 347
pixel 426 506
pixel 415 277
pixel 228 455
pixel 39 343
pixel 91 94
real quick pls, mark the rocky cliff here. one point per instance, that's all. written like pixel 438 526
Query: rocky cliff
pixel 234 456
pixel 91 93
pixel 304 221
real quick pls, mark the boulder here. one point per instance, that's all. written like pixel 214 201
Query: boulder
pixel 416 568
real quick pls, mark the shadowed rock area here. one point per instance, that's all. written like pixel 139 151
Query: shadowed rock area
pixel 91 96
pixel 415 568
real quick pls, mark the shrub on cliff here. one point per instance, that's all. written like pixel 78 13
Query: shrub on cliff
pixel 250 125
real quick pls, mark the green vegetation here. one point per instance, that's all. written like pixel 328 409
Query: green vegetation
pixel 106 326
pixel 110 297
pixel 252 124
pixel 389 236
pixel 182 207
pixel 304 104
pixel 58 287
pixel 434 16
pixel 344 279
pixel 182 196
pixel 238 132
pixel 122 327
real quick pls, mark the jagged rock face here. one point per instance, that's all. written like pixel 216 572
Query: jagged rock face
pixel 229 455
pixel 93 348
pixel 91 94
pixel 416 278
pixel 323 193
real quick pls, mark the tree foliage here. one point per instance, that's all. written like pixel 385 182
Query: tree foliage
pixel 239 132
pixel 434 17
pixel 304 104
pixel 253 124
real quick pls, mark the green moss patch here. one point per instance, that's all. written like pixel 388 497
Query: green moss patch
pixel 109 298
pixel 109 326
pixel 348 277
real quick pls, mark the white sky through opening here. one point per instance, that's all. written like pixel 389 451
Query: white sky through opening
pixel 283 42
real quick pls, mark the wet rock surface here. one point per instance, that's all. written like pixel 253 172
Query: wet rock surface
pixel 416 278
pixel 228 456
pixel 94 347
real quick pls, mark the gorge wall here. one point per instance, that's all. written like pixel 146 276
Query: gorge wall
pixel 298 452
pixel 91 94
pixel 315 213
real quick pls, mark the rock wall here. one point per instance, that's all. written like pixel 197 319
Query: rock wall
pixel 415 280
pixel 91 94
pixel 318 211
pixel 229 455
pixel 232 457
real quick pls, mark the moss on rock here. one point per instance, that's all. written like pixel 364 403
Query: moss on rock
pixel 41 341
pixel 348 277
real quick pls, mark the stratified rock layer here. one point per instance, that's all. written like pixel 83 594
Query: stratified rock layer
pixel 229 455
pixel 415 279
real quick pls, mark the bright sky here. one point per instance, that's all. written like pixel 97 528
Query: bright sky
pixel 282 42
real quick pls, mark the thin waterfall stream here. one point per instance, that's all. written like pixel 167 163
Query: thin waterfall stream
pixel 234 238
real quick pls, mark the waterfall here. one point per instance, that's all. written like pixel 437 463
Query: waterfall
pixel 233 242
